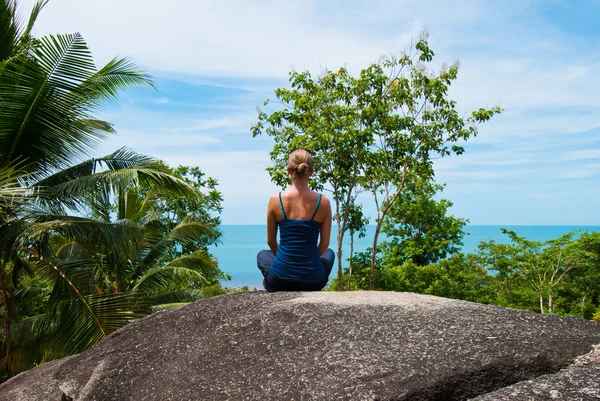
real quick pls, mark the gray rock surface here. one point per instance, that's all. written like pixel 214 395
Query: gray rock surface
pixel 314 346
pixel 569 384
pixel 591 358
pixel 580 381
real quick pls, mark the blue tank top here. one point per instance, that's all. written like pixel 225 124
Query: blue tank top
pixel 298 258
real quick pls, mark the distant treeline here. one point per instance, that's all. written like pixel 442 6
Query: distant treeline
pixel 559 276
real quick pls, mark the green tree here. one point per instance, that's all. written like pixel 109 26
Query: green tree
pixel 503 259
pixel 419 227
pixel 413 120
pixel 458 277
pixel 358 278
pixel 540 267
pixel 580 294
pixel 203 205
pixel 461 277
pixel 357 225
pixel 106 268
pixel 49 91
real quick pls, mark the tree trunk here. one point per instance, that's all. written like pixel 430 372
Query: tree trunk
pixel 10 313
pixel 510 296
pixel 550 302
pixel 374 255
pixel 380 218
pixel 542 304
pixel 338 218
pixel 351 256
pixel 340 286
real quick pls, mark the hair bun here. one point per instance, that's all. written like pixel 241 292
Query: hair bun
pixel 302 168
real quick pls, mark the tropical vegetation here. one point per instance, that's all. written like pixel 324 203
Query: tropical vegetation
pixel 558 276
pixel 87 244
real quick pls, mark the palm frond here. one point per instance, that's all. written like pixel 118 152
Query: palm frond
pixel 69 249
pixel 120 170
pixel 31 293
pixel 186 232
pixel 13 38
pixel 38 115
pixel 86 320
pixel 121 159
pixel 12 194
pixel 10 29
pixel 48 99
pixel 118 74
pixel 35 12
pixel 136 207
pixel 118 236
pixel 72 279
pixel 29 340
pixel 196 267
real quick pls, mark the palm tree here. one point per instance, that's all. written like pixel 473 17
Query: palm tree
pixel 108 269
pixel 146 262
pixel 50 92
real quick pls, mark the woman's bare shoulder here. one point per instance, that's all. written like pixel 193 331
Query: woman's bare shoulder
pixel 324 200
pixel 274 198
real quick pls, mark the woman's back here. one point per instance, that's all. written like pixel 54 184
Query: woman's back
pixel 300 205
pixel 298 257
pixel 302 261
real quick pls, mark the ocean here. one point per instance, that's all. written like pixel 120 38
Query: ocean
pixel 240 244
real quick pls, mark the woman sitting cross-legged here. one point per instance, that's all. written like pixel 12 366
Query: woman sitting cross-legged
pixel 302 260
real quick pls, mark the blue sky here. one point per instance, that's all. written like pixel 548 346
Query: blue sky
pixel 214 62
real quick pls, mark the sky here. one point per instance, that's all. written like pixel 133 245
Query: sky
pixel 214 62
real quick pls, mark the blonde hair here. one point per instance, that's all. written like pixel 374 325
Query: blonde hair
pixel 300 163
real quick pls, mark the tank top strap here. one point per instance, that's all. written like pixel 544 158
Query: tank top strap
pixel 317 208
pixel 281 207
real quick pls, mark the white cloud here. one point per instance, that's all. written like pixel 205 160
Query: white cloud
pixel 162 100
pixel 141 140
pixel 586 171
pixel 510 55
pixel 223 38
pixel 232 122
pixel 584 154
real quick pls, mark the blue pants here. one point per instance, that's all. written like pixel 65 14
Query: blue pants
pixel 266 257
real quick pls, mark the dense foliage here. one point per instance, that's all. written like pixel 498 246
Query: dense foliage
pixel 86 245
pixel 559 276
pixel 418 226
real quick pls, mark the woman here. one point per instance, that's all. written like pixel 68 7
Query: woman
pixel 302 261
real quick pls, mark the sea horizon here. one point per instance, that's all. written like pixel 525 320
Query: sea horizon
pixel 240 243
pixel 467 225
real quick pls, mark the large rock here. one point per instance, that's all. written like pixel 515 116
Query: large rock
pixel 319 346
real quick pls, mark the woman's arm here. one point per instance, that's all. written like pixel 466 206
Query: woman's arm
pixel 325 226
pixel 272 224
